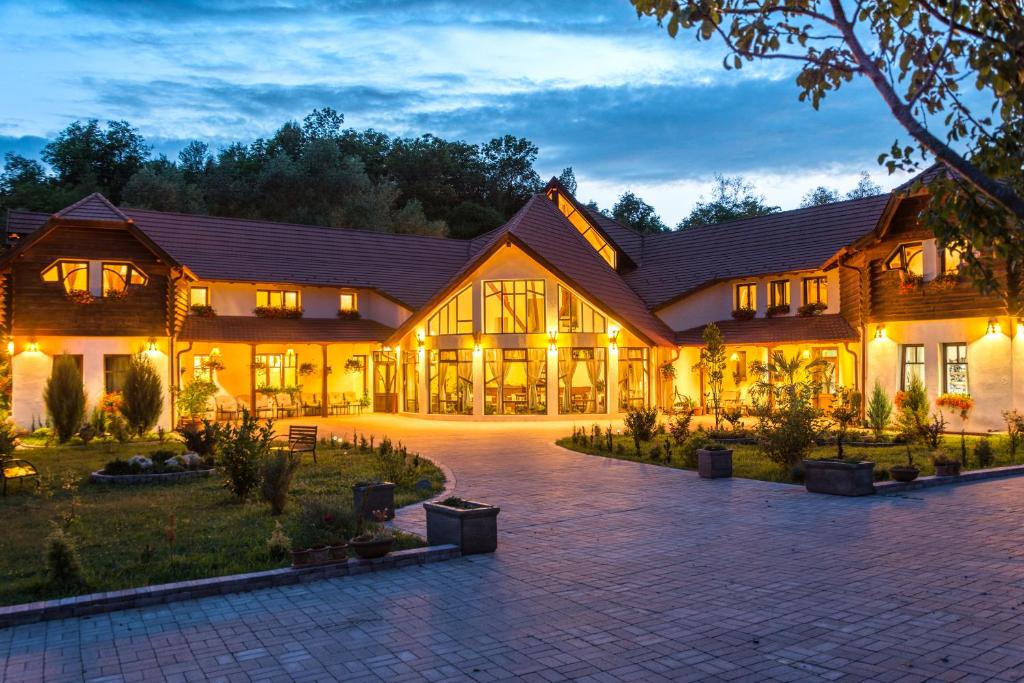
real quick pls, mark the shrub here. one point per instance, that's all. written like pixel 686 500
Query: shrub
pixel 788 434
pixel 983 453
pixel 8 439
pixel 688 450
pixel 278 469
pixel 392 463
pixel 845 411
pixel 1014 431
pixel 87 433
pixel 63 568
pixel 640 424
pixel 64 396
pixel 932 431
pixel 193 400
pixel 734 416
pixel 242 453
pixel 142 396
pixel 203 440
pixel 119 429
pixel 879 410
pixel 324 520
pixel 118 468
pixel 278 545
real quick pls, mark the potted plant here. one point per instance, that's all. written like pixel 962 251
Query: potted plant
pixel 307 369
pixel 945 466
pixel 807 310
pixel 374 540
pixel 840 476
pixel 714 461
pixel 353 365
pixel 369 497
pixel 193 400
pixel 277 312
pixel 213 363
pixel 300 556
pixel 468 524
pixel 910 282
pixel 349 315
pixel 202 311
pixel 963 404
pixel 778 309
pixel 744 313
pixel 668 371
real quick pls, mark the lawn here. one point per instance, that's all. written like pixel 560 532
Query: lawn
pixel 131 536
pixel 749 463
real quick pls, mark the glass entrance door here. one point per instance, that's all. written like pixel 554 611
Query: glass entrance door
pixel 385 382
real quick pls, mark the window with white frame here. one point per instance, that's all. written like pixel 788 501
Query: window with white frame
pixel 954 368
pixel 912 364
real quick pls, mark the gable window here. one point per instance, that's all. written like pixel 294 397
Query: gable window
pixel 115 369
pixel 117 277
pixel 778 293
pixel 816 290
pixel 455 317
pixel 74 275
pixel 912 362
pixel 348 303
pixel 576 315
pixel 954 368
pixel 514 307
pixel 746 296
pixel 907 257
pixel 587 229
pixel 952 260
pixel 199 296
pixel 272 298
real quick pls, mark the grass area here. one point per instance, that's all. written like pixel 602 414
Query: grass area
pixel 749 463
pixel 122 532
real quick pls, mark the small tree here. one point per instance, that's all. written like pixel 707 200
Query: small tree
pixel 912 418
pixel 1014 431
pixel 64 396
pixel 879 410
pixel 278 469
pixel 194 398
pixel 640 424
pixel 845 412
pixel 242 453
pixel 712 363
pixel 143 395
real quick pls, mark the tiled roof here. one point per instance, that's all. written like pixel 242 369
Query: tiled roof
pixel 94 207
pixel 787 329
pixel 680 262
pixel 23 222
pixel 239 328
pixel 625 238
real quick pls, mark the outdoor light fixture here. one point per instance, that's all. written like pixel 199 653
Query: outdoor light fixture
pixel 32 347
pixel 1020 326
pixel 880 332
pixel 10 348
pixel 734 357
pixel 151 346
pixel 477 348
pixel 993 326
pixel 290 352
pixel 421 339
pixel 805 353
pixel 613 337
pixel 215 351
pixel 552 341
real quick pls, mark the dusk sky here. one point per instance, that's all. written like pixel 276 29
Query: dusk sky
pixel 592 85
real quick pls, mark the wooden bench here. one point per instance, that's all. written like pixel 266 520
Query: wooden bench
pixel 302 440
pixel 14 468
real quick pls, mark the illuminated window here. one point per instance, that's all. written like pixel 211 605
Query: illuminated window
pixel 451 382
pixel 74 275
pixel 272 298
pixel 411 375
pixel 581 380
pixel 515 381
pixel 746 296
pixel 952 260
pixel 587 229
pixel 115 370
pixel 912 361
pixel 455 317
pixel 634 378
pixel 514 307
pixel 117 277
pixel 908 258
pixel 778 293
pixel 954 376
pixel 347 302
pixel 815 290
pixel 199 296
pixel 201 368
pixel 576 315
pixel 277 370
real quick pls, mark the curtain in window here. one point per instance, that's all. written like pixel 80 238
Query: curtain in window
pixel 534 367
pixel 566 370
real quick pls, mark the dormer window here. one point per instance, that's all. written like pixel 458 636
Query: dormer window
pixel 74 275
pixel 117 277
pixel 348 302
pixel 272 298
pixel 586 228
pixel 907 257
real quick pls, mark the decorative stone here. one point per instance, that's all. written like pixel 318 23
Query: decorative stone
pixel 424 485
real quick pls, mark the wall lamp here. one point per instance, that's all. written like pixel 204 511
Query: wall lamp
pixel 993 326
pixel 613 337
pixel 32 347
pixel 10 348
pixel 553 341
pixel 880 331
pixel 421 339
pixel 151 346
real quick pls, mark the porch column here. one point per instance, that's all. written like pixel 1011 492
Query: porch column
pixel 323 380
pixel 423 383
pixel 478 382
pixel 252 378
pixel 612 380
pixel 553 395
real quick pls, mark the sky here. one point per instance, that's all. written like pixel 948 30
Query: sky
pixel 594 86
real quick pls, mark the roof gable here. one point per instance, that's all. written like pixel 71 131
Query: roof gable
pixel 94 207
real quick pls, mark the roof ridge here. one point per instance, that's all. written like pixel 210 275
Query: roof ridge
pixel 105 204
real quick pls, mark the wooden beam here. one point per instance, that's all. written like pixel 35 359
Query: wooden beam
pixel 323 375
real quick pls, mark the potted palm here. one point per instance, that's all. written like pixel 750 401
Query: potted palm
pixel 840 476
pixel 468 524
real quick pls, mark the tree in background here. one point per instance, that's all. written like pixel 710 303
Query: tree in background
pixel 731 198
pixel 64 396
pixel 826 195
pixel 568 179
pixel 920 56
pixel 634 212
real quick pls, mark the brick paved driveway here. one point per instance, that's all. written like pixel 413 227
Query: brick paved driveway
pixel 609 571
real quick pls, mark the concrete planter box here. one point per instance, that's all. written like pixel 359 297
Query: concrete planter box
pixel 839 477
pixel 377 497
pixel 714 464
pixel 474 529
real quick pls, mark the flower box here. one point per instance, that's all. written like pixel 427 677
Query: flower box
pixel 369 497
pixel 782 309
pixel 202 311
pixel 714 463
pixel 349 315
pixel 470 525
pixel 839 477
pixel 807 310
pixel 744 313
pixel 277 312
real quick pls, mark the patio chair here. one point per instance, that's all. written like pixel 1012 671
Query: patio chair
pixel 302 439
pixel 227 409
pixel 264 406
pixel 310 406
pixel 286 406
pixel 242 403
pixel 336 403
pixel 352 403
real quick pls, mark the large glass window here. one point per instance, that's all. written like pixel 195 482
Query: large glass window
pixel 954 375
pixel 74 275
pixel 411 380
pixel 912 361
pixel 117 277
pixel 115 369
pixel 277 370
pixel 576 315
pixel 586 228
pixel 274 298
pixel 746 296
pixel 455 317
pixel 908 258
pixel 816 290
pixel 515 381
pixel 778 293
pixel 201 369
pixel 634 374
pixel 581 380
pixel 451 382
pixel 514 306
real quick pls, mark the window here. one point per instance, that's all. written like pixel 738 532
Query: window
pixel 576 315
pixel 451 382
pixel 74 275
pixel 816 290
pixel 117 277
pixel 514 307
pixel 347 302
pixel 746 296
pixel 455 317
pixel 952 260
pixel 515 381
pixel 76 357
pixel 277 370
pixel 954 375
pixel 739 370
pixel 912 356
pixel 411 380
pixel 908 258
pixel 581 380
pixel 199 296
pixel 778 293
pixel 587 229
pixel 825 374
pixel 633 378
pixel 272 298
pixel 115 368
pixel 201 368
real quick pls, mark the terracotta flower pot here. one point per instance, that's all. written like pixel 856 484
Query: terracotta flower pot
pixel 337 551
pixel 904 474
pixel 369 550
pixel 300 557
pixel 319 554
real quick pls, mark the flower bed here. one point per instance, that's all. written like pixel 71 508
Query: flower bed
pixel 151 478
pixel 162 465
